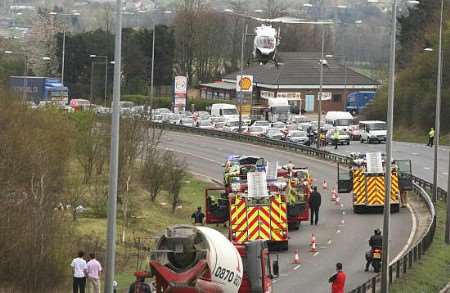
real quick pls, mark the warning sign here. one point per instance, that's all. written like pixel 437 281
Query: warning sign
pixel 257 184
pixel 374 163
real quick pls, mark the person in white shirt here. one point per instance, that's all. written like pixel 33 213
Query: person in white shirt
pixel 94 268
pixel 79 268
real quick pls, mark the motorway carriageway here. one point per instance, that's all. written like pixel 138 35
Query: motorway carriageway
pixel 342 235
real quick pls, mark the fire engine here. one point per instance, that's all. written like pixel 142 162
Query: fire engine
pixel 368 184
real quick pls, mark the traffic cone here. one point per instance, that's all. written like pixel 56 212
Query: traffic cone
pixel 296 259
pixel 313 243
pixel 338 200
pixel 333 194
pixel 325 185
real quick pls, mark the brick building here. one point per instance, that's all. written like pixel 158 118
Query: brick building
pixel 298 79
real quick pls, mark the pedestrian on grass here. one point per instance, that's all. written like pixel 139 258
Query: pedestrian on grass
pixel 198 216
pixel 431 137
pixel 79 268
pixel 338 280
pixel 94 269
pixel 315 201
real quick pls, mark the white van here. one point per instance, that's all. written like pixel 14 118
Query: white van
pixel 371 131
pixel 339 119
pixel 228 111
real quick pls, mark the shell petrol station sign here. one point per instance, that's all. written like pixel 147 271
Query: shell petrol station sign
pixel 180 93
pixel 244 83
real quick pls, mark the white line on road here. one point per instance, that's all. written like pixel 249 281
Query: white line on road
pixel 445 173
pixel 414 154
pixel 317 253
pixel 297 267
pixel 427 168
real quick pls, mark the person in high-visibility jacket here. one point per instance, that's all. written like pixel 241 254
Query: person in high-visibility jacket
pixel 335 138
pixel 430 137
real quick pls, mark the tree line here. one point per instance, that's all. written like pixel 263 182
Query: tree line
pixel 415 97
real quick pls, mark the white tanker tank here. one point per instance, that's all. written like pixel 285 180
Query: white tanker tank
pixel 196 259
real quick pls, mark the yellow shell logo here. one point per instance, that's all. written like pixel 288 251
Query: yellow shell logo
pixel 245 83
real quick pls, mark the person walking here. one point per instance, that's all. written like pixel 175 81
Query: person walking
pixel 79 268
pixel 338 280
pixel 430 137
pixel 198 216
pixel 315 201
pixel 94 268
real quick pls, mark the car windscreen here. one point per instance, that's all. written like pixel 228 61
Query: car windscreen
pixel 376 126
pixel 343 122
pixel 262 123
pixel 229 111
pixel 256 129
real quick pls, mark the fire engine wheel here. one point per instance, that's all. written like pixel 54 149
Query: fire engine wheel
pixel 395 208
pixel 294 226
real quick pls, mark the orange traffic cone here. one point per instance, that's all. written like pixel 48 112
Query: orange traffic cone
pixel 296 259
pixel 313 243
pixel 325 185
pixel 333 194
pixel 338 200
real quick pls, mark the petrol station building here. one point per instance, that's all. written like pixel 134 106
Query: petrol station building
pixel 296 78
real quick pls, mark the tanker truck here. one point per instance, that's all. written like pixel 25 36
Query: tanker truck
pixel 194 259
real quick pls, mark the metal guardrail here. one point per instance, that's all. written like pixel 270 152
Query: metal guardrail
pixel 396 269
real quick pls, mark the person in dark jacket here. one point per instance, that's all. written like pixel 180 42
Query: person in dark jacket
pixel 375 241
pixel 315 201
pixel 140 286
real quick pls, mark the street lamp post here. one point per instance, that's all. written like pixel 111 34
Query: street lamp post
pixel 241 93
pixel 437 121
pixel 113 170
pixel 319 98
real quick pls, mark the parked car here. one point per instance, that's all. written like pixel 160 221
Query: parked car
pixel 256 131
pixel 298 136
pixel 274 133
pixel 343 138
pixel 279 125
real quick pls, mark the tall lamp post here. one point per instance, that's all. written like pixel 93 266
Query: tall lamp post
pixel 63 57
pixel 113 170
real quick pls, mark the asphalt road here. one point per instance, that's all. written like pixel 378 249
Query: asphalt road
pixel 342 235
pixel 422 157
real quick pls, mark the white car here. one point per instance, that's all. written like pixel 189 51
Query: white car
pixel 187 121
pixel 256 131
pixel 265 125
pixel 297 136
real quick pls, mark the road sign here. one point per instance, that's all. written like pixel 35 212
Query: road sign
pixel 374 163
pixel 180 93
pixel 244 83
pixel 326 96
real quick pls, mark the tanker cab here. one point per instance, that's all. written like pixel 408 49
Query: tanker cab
pixel 259 270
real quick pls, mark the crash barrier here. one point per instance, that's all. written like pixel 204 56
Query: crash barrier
pixel 318 153
pixel 420 187
pixel 406 261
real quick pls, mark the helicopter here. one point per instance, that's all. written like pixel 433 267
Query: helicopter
pixel 267 37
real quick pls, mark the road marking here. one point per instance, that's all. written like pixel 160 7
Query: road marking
pixel 343 213
pixel 297 267
pixel 445 173
pixel 193 155
pixel 338 231
pixel 414 154
pixel 427 168
pixel 411 235
pixel 316 253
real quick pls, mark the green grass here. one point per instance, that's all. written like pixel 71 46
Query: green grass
pixel 148 221
pixel 432 272
pixel 417 136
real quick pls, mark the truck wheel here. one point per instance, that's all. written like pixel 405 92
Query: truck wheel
pixel 294 226
pixel 358 209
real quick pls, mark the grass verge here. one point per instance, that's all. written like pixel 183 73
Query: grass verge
pixel 417 136
pixel 432 272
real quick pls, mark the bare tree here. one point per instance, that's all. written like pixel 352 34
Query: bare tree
pixel 175 174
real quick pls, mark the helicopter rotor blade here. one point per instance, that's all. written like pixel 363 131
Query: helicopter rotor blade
pixel 283 19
